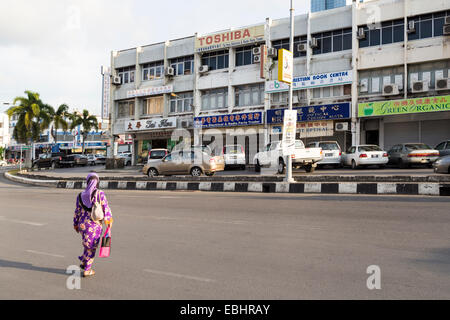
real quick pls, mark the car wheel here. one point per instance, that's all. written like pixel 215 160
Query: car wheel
pixel 257 166
pixel 196 172
pixel 281 166
pixel 402 164
pixel 152 172
pixel 354 166
pixel 309 168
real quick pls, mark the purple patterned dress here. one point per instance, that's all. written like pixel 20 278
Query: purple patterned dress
pixel 89 230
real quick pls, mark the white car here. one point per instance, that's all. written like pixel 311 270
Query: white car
pixel 234 155
pixel 365 155
pixel 126 156
pixel 332 154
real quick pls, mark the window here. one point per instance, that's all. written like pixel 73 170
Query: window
pixel 215 99
pixel 440 146
pixel 153 105
pixel 284 44
pixel 331 92
pixel 125 109
pixel 244 56
pixel 250 95
pixel 126 74
pixel 333 41
pixel 152 71
pixel 183 65
pixel 216 60
pixel 182 102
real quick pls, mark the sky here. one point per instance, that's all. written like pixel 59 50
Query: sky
pixel 57 47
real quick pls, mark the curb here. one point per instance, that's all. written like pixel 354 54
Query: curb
pixel 380 188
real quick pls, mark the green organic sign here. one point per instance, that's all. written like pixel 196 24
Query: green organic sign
pixel 393 107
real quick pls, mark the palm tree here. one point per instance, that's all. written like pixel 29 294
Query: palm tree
pixel 58 118
pixel 86 121
pixel 33 118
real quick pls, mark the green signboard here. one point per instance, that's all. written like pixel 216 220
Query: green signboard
pixel 395 107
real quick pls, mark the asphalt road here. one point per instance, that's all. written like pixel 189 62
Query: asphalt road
pixel 194 245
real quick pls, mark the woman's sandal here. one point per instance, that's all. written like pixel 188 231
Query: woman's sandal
pixel 88 273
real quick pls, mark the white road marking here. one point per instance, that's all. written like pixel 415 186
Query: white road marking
pixel 171 274
pixel 45 254
pixel 36 224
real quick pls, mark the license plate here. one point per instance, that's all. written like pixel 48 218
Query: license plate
pixel 328 154
pixel 374 156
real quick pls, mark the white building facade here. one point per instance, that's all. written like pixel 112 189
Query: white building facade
pixel 222 87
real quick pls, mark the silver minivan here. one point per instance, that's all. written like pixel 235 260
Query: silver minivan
pixel 332 153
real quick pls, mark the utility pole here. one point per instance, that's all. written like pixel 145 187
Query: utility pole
pixel 291 49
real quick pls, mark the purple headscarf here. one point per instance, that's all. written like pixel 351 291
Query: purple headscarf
pixel 92 181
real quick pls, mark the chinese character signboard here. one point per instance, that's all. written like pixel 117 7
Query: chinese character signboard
pixel 229 120
pixel 393 107
pixel 315 129
pixel 106 87
pixel 289 129
pixel 149 91
pixel 151 124
pixel 336 111
pixel 229 38
pixel 313 81
pixel 285 66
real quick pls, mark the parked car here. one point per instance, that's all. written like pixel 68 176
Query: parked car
pixel 443 148
pixel 407 154
pixel 127 157
pixel 48 160
pixel 442 165
pixel 155 154
pixel 234 155
pixel 332 154
pixel 91 159
pixel 100 159
pixel 195 163
pixel 273 154
pixel 365 155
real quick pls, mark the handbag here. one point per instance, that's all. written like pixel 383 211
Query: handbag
pixel 105 247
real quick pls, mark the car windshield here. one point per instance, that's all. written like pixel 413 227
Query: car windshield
pixel 416 146
pixel 232 149
pixel 369 148
pixel 157 154
pixel 329 146
pixel 299 144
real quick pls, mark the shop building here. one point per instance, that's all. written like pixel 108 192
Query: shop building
pixel 207 85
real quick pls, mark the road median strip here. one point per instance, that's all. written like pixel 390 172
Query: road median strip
pixel 329 187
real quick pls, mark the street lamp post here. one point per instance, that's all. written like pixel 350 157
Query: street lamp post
pixel 291 49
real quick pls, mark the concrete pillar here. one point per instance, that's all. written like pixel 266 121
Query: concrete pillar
pixel 231 67
pixel 355 123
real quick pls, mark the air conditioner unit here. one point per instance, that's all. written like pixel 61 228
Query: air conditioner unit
pixel 411 26
pixel 442 84
pixel 185 123
pixel 170 72
pixel 419 86
pixel 203 69
pixel 447 30
pixel 116 80
pixel 256 59
pixel 363 87
pixel 272 52
pixel 361 34
pixel 256 51
pixel 314 43
pixel 447 20
pixel 341 126
pixel 302 47
pixel 294 99
pixel 390 90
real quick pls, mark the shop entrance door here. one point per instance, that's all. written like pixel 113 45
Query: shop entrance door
pixel 372 137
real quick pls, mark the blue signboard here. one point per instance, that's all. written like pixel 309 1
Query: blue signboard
pixel 335 111
pixel 229 120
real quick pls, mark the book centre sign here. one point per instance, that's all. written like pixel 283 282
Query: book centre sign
pixel 229 38
pixel 312 81
pixel 406 106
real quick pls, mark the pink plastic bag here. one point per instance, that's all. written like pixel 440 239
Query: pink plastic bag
pixel 105 244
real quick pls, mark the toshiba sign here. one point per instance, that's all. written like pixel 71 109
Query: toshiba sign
pixel 230 38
